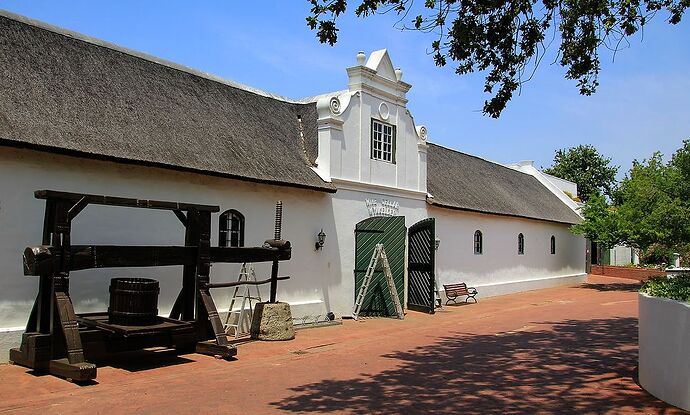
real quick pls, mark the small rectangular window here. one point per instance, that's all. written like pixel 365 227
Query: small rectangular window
pixel 382 141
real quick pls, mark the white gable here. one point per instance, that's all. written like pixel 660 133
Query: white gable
pixel 380 62
pixel 376 94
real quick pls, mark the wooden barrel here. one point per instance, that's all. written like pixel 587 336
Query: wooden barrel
pixel 133 301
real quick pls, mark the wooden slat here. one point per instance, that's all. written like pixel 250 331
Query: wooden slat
pixel 461 288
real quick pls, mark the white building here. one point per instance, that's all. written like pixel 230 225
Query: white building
pixel 85 116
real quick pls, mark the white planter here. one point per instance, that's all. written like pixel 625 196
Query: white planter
pixel 664 335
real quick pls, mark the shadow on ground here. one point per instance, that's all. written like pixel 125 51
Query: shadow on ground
pixel 140 360
pixel 566 368
pixel 616 286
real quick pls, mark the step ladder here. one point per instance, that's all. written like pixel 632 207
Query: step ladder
pixel 246 311
pixel 379 254
pixel 439 300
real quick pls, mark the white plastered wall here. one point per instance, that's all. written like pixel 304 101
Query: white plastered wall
pixel 305 213
pixel 321 280
pixel 499 269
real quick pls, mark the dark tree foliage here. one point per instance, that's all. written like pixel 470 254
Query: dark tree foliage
pixel 654 208
pixel 601 223
pixel 508 39
pixel 651 211
pixel 591 171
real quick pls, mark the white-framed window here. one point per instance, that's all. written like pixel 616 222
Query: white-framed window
pixel 521 244
pixel 382 141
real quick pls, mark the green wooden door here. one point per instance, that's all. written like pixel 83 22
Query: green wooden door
pixel 391 232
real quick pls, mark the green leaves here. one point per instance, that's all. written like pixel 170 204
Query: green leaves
pixel 601 224
pixel 655 200
pixel 584 165
pixel 676 288
pixel 651 211
pixel 326 30
pixel 507 39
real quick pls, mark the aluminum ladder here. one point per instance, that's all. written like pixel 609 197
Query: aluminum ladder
pixel 246 312
pixel 379 254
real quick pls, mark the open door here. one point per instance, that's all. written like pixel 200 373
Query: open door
pixel 421 266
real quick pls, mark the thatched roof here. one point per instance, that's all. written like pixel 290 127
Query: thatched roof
pixel 460 181
pixel 66 93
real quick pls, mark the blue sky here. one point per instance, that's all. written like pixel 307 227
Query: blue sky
pixel 643 103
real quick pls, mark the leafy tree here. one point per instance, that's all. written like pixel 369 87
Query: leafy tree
pixel 584 165
pixel 601 223
pixel 508 39
pixel 680 169
pixel 651 211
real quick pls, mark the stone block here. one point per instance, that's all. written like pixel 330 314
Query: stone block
pixel 272 321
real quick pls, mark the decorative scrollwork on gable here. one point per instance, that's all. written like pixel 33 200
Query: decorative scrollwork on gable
pixel 422 132
pixel 335 105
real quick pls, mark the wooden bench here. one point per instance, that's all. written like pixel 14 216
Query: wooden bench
pixel 453 291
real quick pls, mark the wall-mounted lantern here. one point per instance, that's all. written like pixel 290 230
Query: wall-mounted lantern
pixel 320 240
pixel 437 242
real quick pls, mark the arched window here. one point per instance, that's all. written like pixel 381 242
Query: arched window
pixel 521 244
pixel 553 245
pixel 231 229
pixel 478 242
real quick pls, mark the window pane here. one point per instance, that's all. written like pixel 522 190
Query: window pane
pixel 382 141
pixel 231 229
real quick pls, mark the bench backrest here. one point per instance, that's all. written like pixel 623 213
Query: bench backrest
pixel 461 287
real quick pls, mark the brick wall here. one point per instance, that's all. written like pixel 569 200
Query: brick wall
pixel 639 274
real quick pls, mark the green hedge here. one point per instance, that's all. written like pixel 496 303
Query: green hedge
pixel 676 288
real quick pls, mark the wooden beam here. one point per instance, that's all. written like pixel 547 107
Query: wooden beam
pixel 38 260
pixel 236 283
pixel 121 201
pixel 249 254
pixel 77 208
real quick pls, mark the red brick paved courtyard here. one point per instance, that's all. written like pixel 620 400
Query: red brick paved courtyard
pixel 566 350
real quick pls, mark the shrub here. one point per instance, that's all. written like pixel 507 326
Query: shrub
pixel 657 254
pixel 675 288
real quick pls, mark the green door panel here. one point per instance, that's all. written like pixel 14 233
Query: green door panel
pixel 391 232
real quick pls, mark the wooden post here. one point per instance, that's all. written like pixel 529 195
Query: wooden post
pixel 188 296
pixel 45 284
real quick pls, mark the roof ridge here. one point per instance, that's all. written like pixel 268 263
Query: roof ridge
pixel 314 98
pixel 144 56
pixel 480 158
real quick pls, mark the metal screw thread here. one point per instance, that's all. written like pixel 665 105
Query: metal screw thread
pixel 279 220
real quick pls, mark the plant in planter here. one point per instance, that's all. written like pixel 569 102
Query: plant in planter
pixel 676 288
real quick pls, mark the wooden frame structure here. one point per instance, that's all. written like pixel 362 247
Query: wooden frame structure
pixel 59 341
